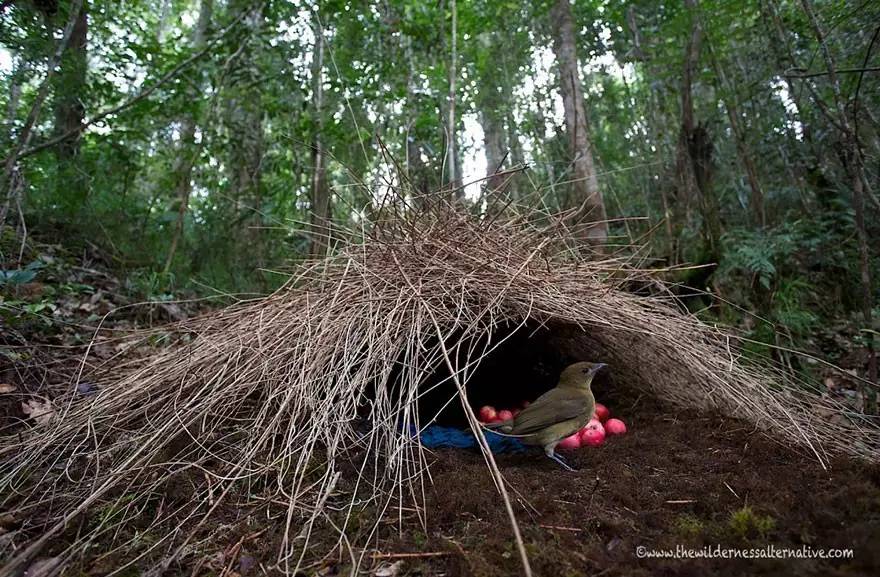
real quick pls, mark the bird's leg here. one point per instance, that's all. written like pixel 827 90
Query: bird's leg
pixel 550 452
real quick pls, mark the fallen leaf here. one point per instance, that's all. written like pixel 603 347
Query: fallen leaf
pixel 245 564
pixel 39 409
pixel 613 544
pixel 173 311
pixel 6 388
pixel 7 521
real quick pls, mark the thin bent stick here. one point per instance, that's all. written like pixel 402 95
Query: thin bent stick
pixel 484 446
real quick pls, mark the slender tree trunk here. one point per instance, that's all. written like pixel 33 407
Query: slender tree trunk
pixel 491 106
pixel 416 172
pixel 163 21
pixel 728 98
pixel 320 194
pixel 244 115
pixel 511 132
pixel 781 53
pixel 855 169
pixel 585 183
pixel 15 85
pixel 654 105
pixel 695 146
pixel 493 141
pixel 459 191
pixel 805 154
pixel 9 185
pixel 757 204
pixel 415 168
pixel 636 53
pixel 517 158
pixel 187 150
pixel 451 136
pixel 70 107
pixel 687 184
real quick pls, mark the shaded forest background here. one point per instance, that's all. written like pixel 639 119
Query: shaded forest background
pixel 199 146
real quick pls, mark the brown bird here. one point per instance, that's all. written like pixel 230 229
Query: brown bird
pixel 558 413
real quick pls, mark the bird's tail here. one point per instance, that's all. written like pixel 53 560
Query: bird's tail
pixel 503 426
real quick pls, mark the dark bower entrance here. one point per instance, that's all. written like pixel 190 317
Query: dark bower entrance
pixel 524 366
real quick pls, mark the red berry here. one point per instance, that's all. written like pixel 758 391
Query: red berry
pixel 595 424
pixel 487 414
pixel 615 427
pixel 570 443
pixel 602 413
pixel 592 437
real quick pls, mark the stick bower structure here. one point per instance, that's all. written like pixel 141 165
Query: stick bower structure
pixel 299 407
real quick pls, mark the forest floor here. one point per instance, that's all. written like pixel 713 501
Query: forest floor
pixel 686 480
pixel 690 480
pixel 676 479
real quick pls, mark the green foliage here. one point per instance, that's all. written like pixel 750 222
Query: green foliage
pixel 745 524
pixel 792 306
pixel 155 286
pixel 250 100
pixel 689 526
pixel 793 275
pixel 755 254
pixel 20 276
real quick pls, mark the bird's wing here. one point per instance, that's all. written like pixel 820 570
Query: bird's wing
pixel 554 406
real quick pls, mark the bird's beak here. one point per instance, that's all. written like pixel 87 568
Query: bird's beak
pixel 598 367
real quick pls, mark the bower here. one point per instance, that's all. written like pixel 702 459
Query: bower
pixel 287 399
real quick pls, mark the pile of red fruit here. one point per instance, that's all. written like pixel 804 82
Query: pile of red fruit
pixel 592 435
pixel 488 414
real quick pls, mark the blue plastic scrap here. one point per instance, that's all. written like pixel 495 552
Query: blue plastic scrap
pixel 435 436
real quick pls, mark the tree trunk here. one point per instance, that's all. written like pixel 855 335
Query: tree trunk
pixel 785 60
pixel 687 184
pixel 187 150
pixel 514 147
pixel 459 182
pixel 636 53
pixel 452 159
pixel 728 98
pixel 320 195
pixel 585 184
pixel 694 162
pixel 517 158
pixel 654 105
pixel 10 183
pixel 16 81
pixel 162 28
pixel 70 108
pixel 245 123
pixel 416 172
pixel 805 162
pixel 493 141
pixel 854 166
pixel 491 106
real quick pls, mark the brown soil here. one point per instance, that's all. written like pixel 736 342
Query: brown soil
pixel 672 480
